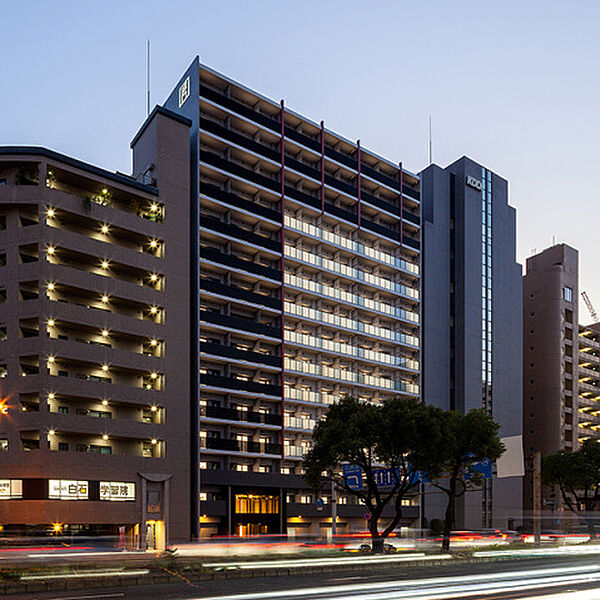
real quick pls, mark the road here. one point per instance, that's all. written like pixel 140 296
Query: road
pixel 542 579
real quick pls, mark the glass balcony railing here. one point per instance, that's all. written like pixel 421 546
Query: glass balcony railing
pixel 298 423
pixel 347 323
pixel 293 451
pixel 350 272
pixel 292 394
pixel 353 246
pixel 349 350
pixel 350 376
pixel 354 299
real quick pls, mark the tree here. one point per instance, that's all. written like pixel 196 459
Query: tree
pixel 394 434
pixel 467 438
pixel 577 475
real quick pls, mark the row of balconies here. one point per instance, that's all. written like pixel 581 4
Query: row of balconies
pixel 311 143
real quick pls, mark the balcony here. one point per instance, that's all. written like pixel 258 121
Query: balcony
pixel 229 260
pixel 242 355
pixel 240 171
pixel 232 291
pixel 246 416
pixel 240 324
pixel 380 203
pixel 382 229
pixel 213 191
pixel 237 232
pixel 233 445
pixel 242 385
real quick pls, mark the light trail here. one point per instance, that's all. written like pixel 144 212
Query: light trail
pixel 82 575
pixel 439 588
pixel 320 562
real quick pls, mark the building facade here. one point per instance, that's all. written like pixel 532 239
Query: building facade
pixel 561 365
pixel 308 268
pixel 472 318
pixel 93 352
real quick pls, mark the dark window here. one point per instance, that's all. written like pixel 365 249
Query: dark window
pixel 63 447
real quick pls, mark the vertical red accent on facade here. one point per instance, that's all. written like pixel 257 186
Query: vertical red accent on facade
pixel 401 232
pixel 282 238
pixel 322 166
pixel 358 181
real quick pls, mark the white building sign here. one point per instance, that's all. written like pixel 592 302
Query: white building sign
pixel 68 489
pixel 184 91
pixel 474 183
pixel 11 488
pixel 117 491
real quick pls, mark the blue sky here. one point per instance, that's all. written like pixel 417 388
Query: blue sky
pixel 514 85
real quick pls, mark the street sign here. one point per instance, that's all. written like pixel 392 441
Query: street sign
pixel 483 467
pixel 353 476
pixel 319 503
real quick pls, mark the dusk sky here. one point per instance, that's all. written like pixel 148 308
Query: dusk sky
pixel 513 85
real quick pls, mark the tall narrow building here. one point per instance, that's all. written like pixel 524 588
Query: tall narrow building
pixel 306 252
pixel 472 317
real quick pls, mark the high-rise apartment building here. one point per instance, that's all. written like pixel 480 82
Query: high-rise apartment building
pixel 561 362
pixel 307 259
pixel 472 317
pixel 94 338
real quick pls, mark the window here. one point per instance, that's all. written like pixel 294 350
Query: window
pixel 3 445
pixel 63 410
pixel 63 446
pixel 100 449
pixel 568 294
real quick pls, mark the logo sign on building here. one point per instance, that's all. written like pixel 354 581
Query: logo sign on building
pixel 353 476
pixel 11 489
pixel 68 489
pixel 474 183
pixel 117 491
pixel 184 91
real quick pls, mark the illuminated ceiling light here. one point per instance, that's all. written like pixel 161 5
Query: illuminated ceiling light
pixel 153 342
pixel 105 368
pixel 154 207
pixel 153 441
pixel 104 402
pixel 51 359
pixel 51 396
pixel 51 432
pixel 50 212
pixel 50 286
pixel 153 375
pixel 105 298
pixel 104 229
pixel 154 277
pixel 153 310
pixel 50 250
pixel 153 408
pixel 50 322
pixel 153 244
pixel 104 332
pixel 105 264
pixel 104 437
pixel 105 191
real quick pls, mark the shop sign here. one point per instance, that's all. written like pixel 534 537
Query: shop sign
pixel 11 488
pixel 67 489
pixel 117 491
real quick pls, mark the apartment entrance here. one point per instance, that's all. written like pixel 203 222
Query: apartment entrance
pixel 255 513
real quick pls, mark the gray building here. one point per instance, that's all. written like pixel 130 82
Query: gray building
pixel 472 333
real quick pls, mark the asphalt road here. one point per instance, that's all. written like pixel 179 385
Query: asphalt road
pixel 547 579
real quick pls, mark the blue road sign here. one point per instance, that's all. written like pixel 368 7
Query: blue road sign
pixel 353 476
pixel 483 466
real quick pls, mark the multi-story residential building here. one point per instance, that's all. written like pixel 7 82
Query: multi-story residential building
pixel 550 356
pixel 94 357
pixel 588 397
pixel 307 250
pixel 472 318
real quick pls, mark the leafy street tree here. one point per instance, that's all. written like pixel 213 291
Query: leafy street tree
pixel 466 438
pixel 396 434
pixel 577 476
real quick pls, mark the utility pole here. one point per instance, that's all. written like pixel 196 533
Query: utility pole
pixel 537 497
pixel 333 511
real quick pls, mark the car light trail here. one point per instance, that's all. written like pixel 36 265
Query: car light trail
pixel 440 587
pixel 82 575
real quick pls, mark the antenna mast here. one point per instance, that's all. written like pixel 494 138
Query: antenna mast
pixel 430 143
pixel 148 77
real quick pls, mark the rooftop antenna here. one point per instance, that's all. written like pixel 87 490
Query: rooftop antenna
pixel 554 240
pixel 430 143
pixel 148 76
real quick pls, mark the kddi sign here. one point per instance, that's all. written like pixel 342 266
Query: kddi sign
pixel 474 183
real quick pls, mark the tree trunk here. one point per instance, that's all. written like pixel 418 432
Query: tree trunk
pixel 449 517
pixel 591 529
pixel 376 539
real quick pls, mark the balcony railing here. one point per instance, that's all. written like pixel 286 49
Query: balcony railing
pixel 232 291
pixel 240 323
pixel 234 445
pixel 243 385
pixel 243 355
pixel 247 416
